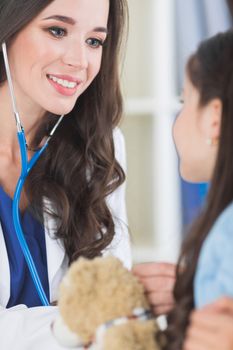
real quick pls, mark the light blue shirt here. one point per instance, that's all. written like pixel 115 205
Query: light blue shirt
pixel 214 274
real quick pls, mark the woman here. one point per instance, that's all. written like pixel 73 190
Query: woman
pixel 63 58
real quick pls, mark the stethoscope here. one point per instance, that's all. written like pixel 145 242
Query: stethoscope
pixel 26 166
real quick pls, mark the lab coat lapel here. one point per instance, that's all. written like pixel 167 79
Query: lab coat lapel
pixel 4 272
pixel 57 261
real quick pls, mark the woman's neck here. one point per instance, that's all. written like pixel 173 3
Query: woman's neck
pixel 30 115
pixel 10 158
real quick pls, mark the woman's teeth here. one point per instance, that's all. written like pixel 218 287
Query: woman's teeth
pixel 64 83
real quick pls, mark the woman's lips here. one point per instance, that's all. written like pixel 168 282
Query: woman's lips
pixel 63 84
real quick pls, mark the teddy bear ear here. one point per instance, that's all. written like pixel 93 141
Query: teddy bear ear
pixel 64 336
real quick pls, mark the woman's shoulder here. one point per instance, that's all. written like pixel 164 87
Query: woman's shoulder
pixel 119 145
pixel 118 138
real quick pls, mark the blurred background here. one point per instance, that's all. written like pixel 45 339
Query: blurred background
pixel 162 35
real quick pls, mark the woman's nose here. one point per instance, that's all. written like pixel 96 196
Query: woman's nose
pixel 76 55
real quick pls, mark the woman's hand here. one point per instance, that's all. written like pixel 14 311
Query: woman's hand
pixel 158 280
pixel 211 328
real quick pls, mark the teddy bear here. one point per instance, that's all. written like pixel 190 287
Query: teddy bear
pixel 102 306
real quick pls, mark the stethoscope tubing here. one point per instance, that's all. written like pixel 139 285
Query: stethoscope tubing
pixel 26 167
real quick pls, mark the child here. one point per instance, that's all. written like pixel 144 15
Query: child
pixel 203 134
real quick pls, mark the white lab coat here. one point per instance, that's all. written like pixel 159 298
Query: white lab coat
pixel 23 328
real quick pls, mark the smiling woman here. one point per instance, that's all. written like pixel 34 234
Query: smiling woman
pixel 63 59
pixel 65 51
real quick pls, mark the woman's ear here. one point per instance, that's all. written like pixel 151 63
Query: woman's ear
pixel 211 119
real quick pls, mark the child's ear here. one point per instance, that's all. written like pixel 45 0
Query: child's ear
pixel 211 119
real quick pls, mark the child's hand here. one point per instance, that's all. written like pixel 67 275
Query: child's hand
pixel 211 328
pixel 158 280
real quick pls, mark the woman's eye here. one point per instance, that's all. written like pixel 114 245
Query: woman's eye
pixel 95 43
pixel 57 32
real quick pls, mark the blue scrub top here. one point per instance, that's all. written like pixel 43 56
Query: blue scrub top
pixel 22 289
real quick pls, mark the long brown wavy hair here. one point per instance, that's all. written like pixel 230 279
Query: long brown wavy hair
pixel 78 169
pixel 210 70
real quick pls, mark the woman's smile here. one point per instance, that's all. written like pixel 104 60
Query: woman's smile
pixel 63 84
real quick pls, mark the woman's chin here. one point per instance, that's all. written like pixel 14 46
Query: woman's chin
pixel 61 110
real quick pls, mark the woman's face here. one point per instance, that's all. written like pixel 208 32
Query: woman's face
pixel 191 129
pixel 58 54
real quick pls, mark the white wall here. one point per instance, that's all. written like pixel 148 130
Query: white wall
pixel 153 194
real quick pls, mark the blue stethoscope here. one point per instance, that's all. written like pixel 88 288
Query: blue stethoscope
pixel 26 166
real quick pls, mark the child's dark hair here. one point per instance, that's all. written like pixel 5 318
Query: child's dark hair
pixel 230 5
pixel 210 70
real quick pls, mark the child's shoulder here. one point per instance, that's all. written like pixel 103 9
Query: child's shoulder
pixel 225 219
pixel 214 273
pixel 221 233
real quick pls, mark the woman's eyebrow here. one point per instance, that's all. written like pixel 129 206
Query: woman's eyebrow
pixel 70 20
pixel 60 18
